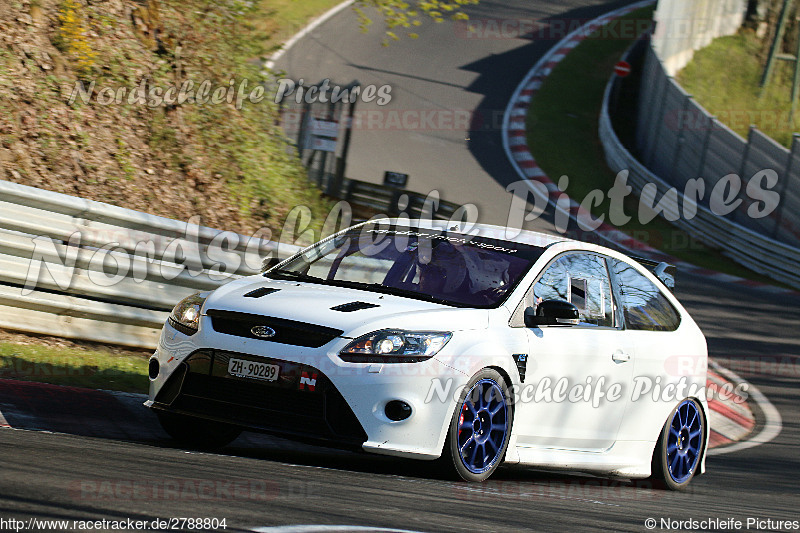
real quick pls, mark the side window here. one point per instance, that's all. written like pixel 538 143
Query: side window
pixel 553 284
pixel 581 279
pixel 644 305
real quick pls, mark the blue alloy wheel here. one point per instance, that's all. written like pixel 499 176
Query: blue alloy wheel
pixel 684 442
pixel 483 425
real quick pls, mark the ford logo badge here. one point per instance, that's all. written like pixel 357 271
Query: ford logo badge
pixel 262 332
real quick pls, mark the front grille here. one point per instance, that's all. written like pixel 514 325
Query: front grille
pixel 288 406
pixel 253 394
pixel 286 331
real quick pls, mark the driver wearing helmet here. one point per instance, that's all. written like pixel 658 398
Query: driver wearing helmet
pixel 442 270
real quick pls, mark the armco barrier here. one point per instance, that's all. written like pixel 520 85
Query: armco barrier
pixel 747 247
pixel 83 269
pixel 396 201
pixel 678 140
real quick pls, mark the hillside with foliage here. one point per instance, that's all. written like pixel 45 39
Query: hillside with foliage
pixel 229 164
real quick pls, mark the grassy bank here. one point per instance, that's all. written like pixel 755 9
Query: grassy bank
pixel 175 157
pixel 562 133
pixel 229 164
pixel 733 94
pixel 284 18
pixel 76 366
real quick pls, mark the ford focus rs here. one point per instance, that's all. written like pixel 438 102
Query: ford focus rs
pixel 471 348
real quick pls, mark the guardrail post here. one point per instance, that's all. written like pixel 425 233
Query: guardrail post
pixel 341 161
pixel 704 151
pixel 301 131
pixel 394 203
pixel 787 177
pixel 680 140
pixel 651 146
pixel 743 166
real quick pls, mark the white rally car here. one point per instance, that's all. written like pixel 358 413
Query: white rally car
pixel 421 340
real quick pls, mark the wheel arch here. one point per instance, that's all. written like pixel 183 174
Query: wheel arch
pixel 706 433
pixel 504 373
pixel 706 430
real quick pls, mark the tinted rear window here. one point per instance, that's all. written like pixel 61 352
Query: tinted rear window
pixel 644 305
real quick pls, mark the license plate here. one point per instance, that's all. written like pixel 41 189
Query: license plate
pixel 242 368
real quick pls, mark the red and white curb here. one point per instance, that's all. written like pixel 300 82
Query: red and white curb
pixel 730 418
pixel 516 147
pixel 769 429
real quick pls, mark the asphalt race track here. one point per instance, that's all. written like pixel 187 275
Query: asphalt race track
pixel 260 482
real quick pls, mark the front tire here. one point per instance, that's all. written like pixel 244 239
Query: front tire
pixel 677 455
pixel 479 431
pixel 197 433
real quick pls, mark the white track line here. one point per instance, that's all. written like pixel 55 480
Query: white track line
pixel 772 425
pixel 270 63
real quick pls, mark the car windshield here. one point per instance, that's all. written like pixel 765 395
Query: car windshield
pixel 444 267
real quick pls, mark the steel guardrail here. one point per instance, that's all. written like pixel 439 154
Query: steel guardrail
pixel 87 270
pixel 757 252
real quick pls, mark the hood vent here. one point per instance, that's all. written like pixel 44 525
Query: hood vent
pixel 353 306
pixel 261 291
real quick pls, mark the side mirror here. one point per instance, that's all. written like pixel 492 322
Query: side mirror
pixel 552 313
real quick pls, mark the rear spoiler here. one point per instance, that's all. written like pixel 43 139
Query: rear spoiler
pixel 663 271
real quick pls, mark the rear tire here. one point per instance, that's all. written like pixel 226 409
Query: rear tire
pixel 478 434
pixel 197 433
pixel 677 455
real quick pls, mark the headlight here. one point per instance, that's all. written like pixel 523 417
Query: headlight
pixel 395 346
pixel 185 317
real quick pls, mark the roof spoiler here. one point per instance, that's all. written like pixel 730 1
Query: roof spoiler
pixel 663 271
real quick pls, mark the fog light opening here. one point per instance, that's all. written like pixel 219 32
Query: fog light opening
pixel 397 410
pixel 153 368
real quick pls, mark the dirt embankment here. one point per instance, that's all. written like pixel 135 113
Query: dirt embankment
pixel 176 159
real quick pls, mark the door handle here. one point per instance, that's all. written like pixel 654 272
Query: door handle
pixel 621 357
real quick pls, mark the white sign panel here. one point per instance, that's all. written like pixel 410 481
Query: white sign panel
pixel 324 128
pixel 323 144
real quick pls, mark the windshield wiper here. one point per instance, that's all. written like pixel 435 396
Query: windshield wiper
pixel 293 275
pixel 359 284
pixel 388 289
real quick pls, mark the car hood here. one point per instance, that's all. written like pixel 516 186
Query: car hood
pixel 314 304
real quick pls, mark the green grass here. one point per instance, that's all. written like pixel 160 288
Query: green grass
pixel 74 366
pixel 733 94
pixel 287 17
pixel 562 134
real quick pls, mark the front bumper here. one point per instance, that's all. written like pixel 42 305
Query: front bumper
pixel 345 407
pixel 302 404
